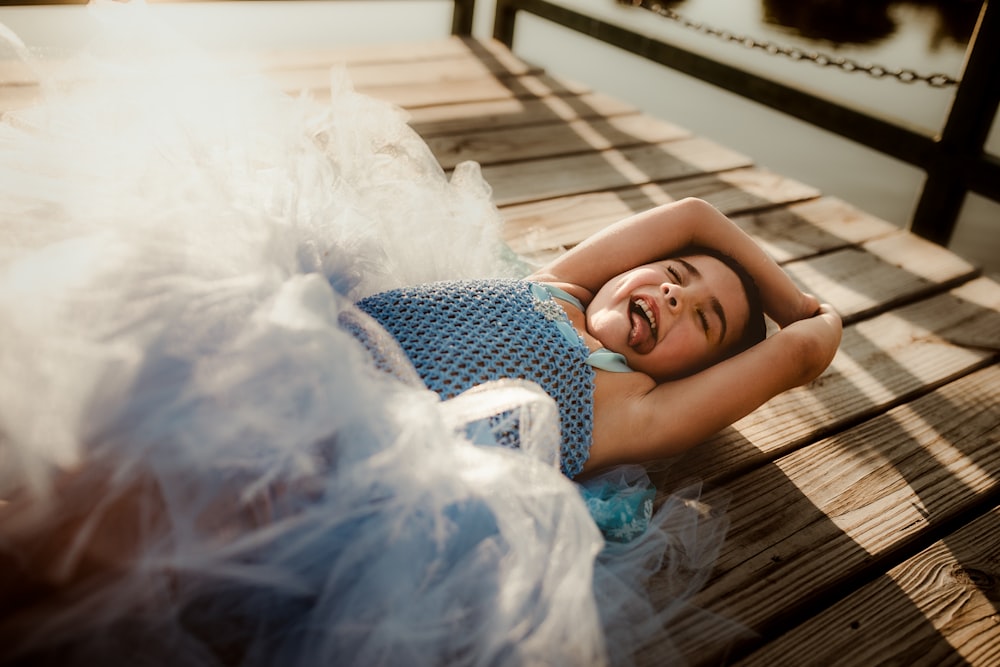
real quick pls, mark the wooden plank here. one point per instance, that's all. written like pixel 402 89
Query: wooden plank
pixel 489 56
pixel 409 95
pixel 979 331
pixel 13 98
pixel 448 48
pixel 562 222
pixel 881 362
pixel 494 114
pixel 561 176
pixel 19 73
pixel 491 146
pixel 490 53
pixel 394 74
pixel 937 608
pixel 471 76
pixel 812 227
pixel 369 67
pixel 893 269
pixel 750 196
pixel 474 90
pixel 828 513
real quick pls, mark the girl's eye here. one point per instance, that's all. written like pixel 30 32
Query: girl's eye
pixel 673 274
pixel 704 320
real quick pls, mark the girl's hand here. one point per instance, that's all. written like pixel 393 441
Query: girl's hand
pixel 815 339
pixel 809 306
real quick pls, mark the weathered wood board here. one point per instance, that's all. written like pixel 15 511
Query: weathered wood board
pixel 809 525
pixel 937 608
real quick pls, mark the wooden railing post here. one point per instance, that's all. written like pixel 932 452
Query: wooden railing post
pixel 963 139
pixel 503 22
pixel 462 17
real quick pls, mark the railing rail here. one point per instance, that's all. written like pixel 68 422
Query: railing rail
pixel 955 161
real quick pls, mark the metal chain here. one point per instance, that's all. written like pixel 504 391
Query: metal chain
pixel 794 53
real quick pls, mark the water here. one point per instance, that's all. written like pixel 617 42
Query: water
pixel 878 184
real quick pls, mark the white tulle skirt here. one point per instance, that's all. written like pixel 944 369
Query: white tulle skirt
pixel 199 466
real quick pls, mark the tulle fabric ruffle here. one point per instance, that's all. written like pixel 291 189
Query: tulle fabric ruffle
pixel 200 466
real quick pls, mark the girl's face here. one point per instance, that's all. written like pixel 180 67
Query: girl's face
pixel 670 318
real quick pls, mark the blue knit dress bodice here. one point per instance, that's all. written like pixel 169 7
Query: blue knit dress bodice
pixel 460 334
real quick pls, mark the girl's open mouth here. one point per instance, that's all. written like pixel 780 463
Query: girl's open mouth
pixel 642 337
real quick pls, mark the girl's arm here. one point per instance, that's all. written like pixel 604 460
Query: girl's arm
pixel 641 420
pixel 663 231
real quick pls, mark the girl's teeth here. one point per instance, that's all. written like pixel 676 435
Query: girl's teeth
pixel 649 313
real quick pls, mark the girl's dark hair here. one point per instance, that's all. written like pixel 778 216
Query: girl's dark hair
pixel 756 328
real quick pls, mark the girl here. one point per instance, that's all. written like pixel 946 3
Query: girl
pixel 666 311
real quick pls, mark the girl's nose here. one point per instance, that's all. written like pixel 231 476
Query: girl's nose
pixel 674 295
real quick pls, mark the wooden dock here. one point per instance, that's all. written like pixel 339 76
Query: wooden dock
pixel 864 507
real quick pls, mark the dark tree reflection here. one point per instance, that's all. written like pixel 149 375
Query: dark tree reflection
pixel 958 18
pixel 867 21
pixel 837 21
pixel 861 21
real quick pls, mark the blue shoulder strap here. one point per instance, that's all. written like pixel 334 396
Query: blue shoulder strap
pixel 606 360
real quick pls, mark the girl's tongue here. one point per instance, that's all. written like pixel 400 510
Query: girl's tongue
pixel 641 338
